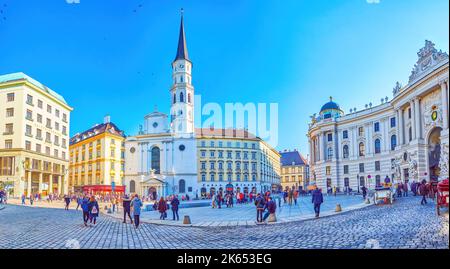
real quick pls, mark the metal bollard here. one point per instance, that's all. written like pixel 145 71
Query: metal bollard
pixel 338 208
pixel 367 201
pixel 187 220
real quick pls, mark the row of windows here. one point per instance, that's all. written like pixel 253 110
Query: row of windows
pixel 10 97
pixel 212 165
pixel 376 128
pixel 360 166
pixel 181 98
pixel 229 144
pixel 212 154
pixel 212 177
pixel 362 148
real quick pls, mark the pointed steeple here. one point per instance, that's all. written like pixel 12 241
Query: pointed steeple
pixel 182 52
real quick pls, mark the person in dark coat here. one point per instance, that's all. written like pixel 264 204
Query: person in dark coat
pixel 93 210
pixel 126 204
pixel 364 192
pixel 424 192
pixel 175 202
pixel 162 207
pixel 399 190
pixel 85 209
pixel 260 204
pixel 317 200
pixel 67 200
pixel 271 207
pixel 405 189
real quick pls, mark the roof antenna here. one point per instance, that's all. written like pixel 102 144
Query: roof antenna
pixel 331 98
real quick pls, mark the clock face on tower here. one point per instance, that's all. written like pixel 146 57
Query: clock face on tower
pixel 181 66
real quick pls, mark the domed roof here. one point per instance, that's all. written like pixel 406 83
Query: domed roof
pixel 330 105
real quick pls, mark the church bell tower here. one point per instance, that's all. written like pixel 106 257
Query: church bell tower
pixel 182 91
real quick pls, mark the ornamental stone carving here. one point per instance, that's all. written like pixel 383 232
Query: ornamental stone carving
pixel 429 56
pixel 443 161
pixel 432 111
pixel 412 167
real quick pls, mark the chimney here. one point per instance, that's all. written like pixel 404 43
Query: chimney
pixel 107 119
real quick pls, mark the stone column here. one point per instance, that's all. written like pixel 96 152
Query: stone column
pixel 368 139
pixel 59 185
pixel 444 99
pixel 400 127
pixel 320 147
pixel 386 139
pixel 29 183
pixel 40 183
pixel 413 118
pixel 50 183
pixel 417 118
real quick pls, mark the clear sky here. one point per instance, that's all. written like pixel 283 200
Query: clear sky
pixel 113 56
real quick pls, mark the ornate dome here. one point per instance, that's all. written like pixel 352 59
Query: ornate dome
pixel 330 105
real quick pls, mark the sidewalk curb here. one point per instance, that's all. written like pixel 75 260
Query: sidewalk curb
pixel 247 223
pixel 2 207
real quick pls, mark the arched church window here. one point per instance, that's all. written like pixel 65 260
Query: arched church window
pixel 410 133
pixel 377 146
pixel 174 98
pixel 393 142
pixel 181 97
pixel 345 151
pixel 189 98
pixel 181 79
pixel 156 162
pixel 362 149
pixel 182 186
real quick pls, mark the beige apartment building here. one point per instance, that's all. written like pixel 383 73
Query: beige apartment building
pixel 34 137
pixel 294 170
pixel 97 159
pixel 235 158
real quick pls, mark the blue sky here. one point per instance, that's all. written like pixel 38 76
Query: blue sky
pixel 113 57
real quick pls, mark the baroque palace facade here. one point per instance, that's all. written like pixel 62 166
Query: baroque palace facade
pixel 169 155
pixel 405 139
pixel 34 137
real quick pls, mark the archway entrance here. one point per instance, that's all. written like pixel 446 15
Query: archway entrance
pixel 434 153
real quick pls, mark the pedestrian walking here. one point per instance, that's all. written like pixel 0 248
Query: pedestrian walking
pixel 317 200
pixel 213 201
pixel 260 203
pixel 137 204
pixel 424 192
pixel 31 199
pixel 23 199
pixel 85 209
pixel 271 207
pixel 405 189
pixel 162 208
pixel 67 202
pixel 126 204
pixel 290 197
pixel 174 203
pixel 79 202
pixel 93 210
pixel 296 192
pixel 364 192
pixel 399 190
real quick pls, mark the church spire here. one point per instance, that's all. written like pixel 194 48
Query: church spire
pixel 182 52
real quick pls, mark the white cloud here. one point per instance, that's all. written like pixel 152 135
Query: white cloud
pixel 373 1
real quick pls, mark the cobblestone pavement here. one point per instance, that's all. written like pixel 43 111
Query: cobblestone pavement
pixel 245 214
pixel 406 224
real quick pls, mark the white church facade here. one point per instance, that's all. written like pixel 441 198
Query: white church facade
pixel 161 159
pixel 405 139
pixel 168 155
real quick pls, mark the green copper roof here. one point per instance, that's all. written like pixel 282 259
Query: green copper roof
pixel 20 76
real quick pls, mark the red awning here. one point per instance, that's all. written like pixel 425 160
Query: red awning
pixel 103 188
